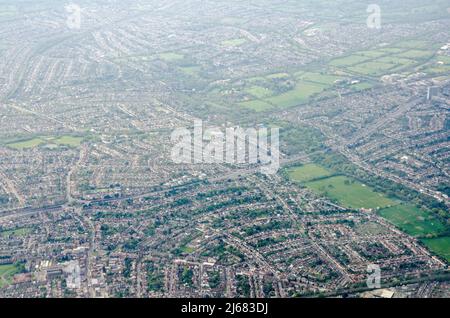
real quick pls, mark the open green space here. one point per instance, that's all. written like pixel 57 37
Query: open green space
pixel 380 61
pixel 65 140
pixel 278 75
pixel 439 245
pixel 325 79
pixel 373 53
pixel 256 105
pixel 361 86
pixel 396 61
pixel 30 143
pixel 170 56
pixel 300 94
pixel 259 92
pixel 234 42
pixel 413 220
pixel 415 54
pixel 349 60
pixel 438 65
pixel 371 68
pixel 7 11
pixel 283 90
pixel 412 44
pixel 15 232
pixel 68 141
pixel 307 172
pixel 7 271
pixel 350 193
pixel 190 70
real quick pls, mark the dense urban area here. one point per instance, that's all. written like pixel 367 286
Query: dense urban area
pixel 93 205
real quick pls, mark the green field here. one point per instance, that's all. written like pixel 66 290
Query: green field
pixel 234 42
pixel 283 90
pixel 324 79
pixel 373 53
pixel 187 249
pixel 170 56
pixel 438 65
pixel 307 172
pixel 361 86
pixel 349 60
pixel 371 68
pixel 396 61
pixel 30 143
pixel 191 70
pixel 8 11
pixel 256 105
pixel 412 44
pixel 415 54
pixel 16 232
pixel 412 220
pixel 259 92
pixel 6 274
pixel 350 193
pixel 68 141
pixel 277 75
pixel 439 245
pixel 300 94
pixel 377 62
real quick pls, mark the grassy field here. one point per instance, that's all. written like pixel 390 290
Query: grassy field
pixel 256 105
pixel 259 92
pixel 65 140
pixel 373 53
pixel 439 245
pixel 438 65
pixel 234 42
pixel 6 274
pixel 283 90
pixel 412 44
pixel 300 94
pixel 371 68
pixel 30 143
pixel 68 141
pixel 307 172
pixel 16 232
pixel 324 79
pixel 377 62
pixel 278 75
pixel 170 56
pixel 191 70
pixel 350 193
pixel 7 11
pixel 412 220
pixel 349 60
pixel 361 86
pixel 415 54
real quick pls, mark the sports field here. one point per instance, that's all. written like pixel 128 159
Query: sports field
pixel 30 143
pixel 307 172
pixel 300 94
pixel 398 57
pixel 350 193
pixel 66 140
pixel 413 220
pixel 439 245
